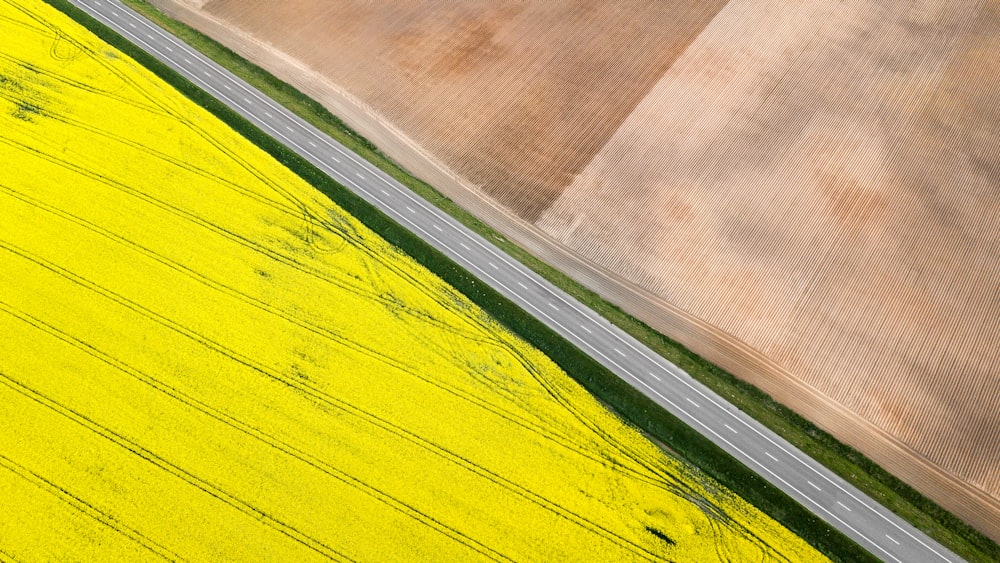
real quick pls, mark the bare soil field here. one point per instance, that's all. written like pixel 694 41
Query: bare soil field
pixel 822 181
pixel 806 193
pixel 497 90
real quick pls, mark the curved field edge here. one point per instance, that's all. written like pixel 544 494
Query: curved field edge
pixel 627 402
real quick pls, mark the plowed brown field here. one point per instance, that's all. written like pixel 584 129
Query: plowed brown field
pixel 806 192
pixel 514 96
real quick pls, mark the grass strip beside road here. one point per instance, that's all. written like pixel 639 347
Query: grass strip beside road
pixel 629 403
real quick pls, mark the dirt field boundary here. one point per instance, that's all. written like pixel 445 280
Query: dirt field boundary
pixel 863 473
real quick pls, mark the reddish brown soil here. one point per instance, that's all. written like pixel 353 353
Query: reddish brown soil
pixel 516 97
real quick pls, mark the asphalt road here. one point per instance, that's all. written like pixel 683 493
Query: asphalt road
pixel 818 489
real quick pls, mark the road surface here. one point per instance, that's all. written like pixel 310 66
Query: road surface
pixel 818 489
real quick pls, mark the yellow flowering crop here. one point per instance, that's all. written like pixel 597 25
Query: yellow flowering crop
pixel 203 358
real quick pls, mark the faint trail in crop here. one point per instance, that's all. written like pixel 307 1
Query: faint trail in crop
pixel 333 401
pixel 84 507
pixel 250 430
pixel 647 469
pixel 185 214
pixel 6 557
pixel 81 86
pixel 259 304
pixel 175 470
pixel 312 220
pixel 665 478
pixel 767 551
pixel 351 409
pixel 219 229
pixel 213 285
pixel 174 161
pixel 309 389
pixel 496 409
pixel 21 23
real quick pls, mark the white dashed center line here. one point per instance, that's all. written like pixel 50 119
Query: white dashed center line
pixel 813 485
pixel 844 506
pixel 654 376
pixel 522 285
pixel 410 209
pixel 439 229
pixel 553 306
pixel 893 540
pixel 696 405
pixel 620 353
pixel 465 246
pixel 587 329
pixel 731 429
pixel 768 454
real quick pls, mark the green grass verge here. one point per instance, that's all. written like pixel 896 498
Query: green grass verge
pixel 625 400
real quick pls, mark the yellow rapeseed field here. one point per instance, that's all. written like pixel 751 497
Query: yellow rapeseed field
pixel 202 358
